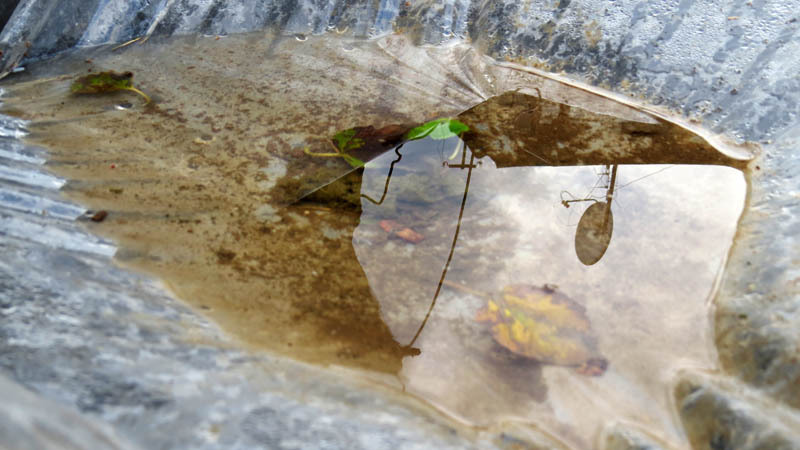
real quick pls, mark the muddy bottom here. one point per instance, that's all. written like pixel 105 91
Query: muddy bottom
pixel 554 266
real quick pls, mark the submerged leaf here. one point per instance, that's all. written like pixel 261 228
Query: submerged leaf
pixel 106 82
pixel 353 161
pixel 543 324
pixel 98 83
pixel 346 140
pixel 405 233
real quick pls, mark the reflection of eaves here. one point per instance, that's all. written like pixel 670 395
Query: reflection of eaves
pixel 537 156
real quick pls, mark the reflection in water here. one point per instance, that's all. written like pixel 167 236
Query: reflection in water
pixel 593 234
pixel 643 302
pixel 456 277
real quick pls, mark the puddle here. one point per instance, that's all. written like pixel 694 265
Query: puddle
pixel 392 274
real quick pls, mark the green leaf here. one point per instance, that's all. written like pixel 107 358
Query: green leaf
pixel 438 129
pixel 442 131
pixel 343 137
pixel 353 161
pixel 422 130
pixel 458 127
pixel 345 140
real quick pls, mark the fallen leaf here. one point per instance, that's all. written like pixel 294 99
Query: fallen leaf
pixel 544 324
pixel 404 233
pixel 407 234
pixel 388 225
pixel 104 83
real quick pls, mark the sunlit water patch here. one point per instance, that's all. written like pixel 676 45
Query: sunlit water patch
pixel 553 266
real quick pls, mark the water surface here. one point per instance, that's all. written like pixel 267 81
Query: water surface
pixel 207 188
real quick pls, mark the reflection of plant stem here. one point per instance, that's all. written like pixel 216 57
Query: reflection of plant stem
pixel 457 149
pixel 452 250
pixel 610 196
pixel 388 177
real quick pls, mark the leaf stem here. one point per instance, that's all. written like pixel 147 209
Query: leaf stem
pixel 146 97
pixel 353 161
pixel 307 151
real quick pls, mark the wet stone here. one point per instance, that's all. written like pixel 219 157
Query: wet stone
pixel 621 437
pixel 718 414
pixel 758 341
pixel 28 421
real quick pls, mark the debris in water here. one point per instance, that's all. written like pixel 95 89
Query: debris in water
pixel 99 216
pixel 404 233
pixel 407 234
pixel 105 83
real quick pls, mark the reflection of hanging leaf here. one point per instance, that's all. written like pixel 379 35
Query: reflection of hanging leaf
pixel 106 82
pixel 543 324
pixel 422 130
pixel 437 129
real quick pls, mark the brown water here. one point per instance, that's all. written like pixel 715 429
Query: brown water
pixel 201 187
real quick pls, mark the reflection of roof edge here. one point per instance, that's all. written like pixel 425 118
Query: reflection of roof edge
pixel 744 152
pixel 630 113
pixel 517 129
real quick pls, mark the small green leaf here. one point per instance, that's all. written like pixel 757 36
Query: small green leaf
pixel 422 130
pixel 343 137
pixel 355 144
pixel 438 129
pixel 346 140
pixel 353 161
pixel 442 131
pixel 458 127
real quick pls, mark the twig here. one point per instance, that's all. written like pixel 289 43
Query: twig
pixel 125 44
